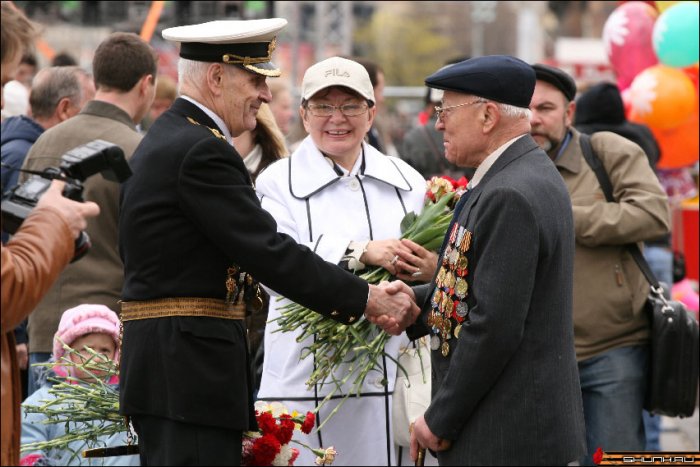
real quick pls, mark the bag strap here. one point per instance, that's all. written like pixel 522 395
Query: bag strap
pixel 599 170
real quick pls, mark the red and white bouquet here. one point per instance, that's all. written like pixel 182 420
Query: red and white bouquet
pixel 271 444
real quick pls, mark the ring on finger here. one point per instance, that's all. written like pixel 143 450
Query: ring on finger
pixel 394 259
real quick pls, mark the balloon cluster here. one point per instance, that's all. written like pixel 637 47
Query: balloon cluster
pixel 654 53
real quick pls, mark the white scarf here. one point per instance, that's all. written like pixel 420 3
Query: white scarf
pixel 252 160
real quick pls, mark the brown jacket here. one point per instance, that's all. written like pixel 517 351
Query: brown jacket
pixel 31 262
pixel 97 277
pixel 609 288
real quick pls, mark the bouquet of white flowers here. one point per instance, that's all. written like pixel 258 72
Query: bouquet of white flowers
pixel 361 345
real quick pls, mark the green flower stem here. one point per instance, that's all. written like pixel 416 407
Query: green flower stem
pixel 360 346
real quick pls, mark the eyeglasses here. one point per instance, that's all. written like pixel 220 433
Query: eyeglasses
pixel 326 110
pixel 441 111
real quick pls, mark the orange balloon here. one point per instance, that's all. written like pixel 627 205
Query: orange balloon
pixel 662 97
pixel 679 146
pixel 662 6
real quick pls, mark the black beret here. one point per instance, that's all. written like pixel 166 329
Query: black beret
pixel 501 78
pixel 557 78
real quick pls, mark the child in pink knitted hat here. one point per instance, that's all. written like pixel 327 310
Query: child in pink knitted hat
pixel 85 326
pixel 93 326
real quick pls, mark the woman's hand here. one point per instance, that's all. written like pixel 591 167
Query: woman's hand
pixel 385 253
pixel 415 264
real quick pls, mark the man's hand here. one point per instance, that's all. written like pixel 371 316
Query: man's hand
pixel 22 356
pixel 392 311
pixel 73 212
pixel 423 438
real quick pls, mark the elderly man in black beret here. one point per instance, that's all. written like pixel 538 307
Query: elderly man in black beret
pixel 195 240
pixel 505 381
pixel 610 328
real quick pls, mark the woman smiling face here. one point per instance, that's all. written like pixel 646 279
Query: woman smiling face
pixel 338 136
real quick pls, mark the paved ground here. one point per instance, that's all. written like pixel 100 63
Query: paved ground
pixel 680 434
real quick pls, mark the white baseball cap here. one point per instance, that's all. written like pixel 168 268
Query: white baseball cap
pixel 248 44
pixel 337 71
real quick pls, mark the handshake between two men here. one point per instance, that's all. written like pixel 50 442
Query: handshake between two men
pixel 392 306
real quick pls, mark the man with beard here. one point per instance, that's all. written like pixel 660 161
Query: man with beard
pixel 611 330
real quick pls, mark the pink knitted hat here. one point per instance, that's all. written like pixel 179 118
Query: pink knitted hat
pixel 82 320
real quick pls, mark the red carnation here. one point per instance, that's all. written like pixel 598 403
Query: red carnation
pixel 295 454
pixel 452 181
pixel 598 456
pixel 308 424
pixel 265 449
pixel 267 423
pixel 462 182
pixel 286 429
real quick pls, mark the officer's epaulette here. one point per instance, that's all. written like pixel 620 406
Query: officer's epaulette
pixel 216 132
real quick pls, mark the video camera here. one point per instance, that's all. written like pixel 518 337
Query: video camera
pixel 76 166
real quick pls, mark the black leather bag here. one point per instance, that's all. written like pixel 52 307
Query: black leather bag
pixel 673 359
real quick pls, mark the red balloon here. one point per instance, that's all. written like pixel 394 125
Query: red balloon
pixel 692 73
pixel 627 36
pixel 679 146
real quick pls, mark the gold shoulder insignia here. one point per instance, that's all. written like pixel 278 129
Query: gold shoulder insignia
pixel 216 132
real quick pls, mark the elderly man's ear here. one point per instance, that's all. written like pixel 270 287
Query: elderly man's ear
pixel 489 116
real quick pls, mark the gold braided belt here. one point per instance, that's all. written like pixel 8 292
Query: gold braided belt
pixel 181 306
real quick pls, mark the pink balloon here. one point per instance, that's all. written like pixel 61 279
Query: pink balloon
pixel 627 36
pixel 683 292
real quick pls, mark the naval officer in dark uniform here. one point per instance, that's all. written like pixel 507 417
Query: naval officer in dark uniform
pixel 193 236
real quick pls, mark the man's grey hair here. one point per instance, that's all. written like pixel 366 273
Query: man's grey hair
pixel 513 111
pixel 51 85
pixel 190 72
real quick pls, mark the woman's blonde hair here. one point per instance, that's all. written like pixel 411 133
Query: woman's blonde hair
pixel 270 138
pixel 18 32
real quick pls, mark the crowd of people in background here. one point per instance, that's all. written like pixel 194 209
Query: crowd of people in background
pixel 325 173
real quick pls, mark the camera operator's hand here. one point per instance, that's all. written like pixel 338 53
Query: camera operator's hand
pixel 74 213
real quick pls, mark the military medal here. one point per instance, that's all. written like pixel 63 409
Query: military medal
pixel 466 242
pixel 436 296
pixel 232 289
pixel 453 234
pixel 462 309
pixel 449 298
pixel 461 288
pixel 440 279
pixel 447 326
pixel 449 280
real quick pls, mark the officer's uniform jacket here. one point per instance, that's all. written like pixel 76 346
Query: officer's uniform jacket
pixel 188 213
pixel 507 390
pixel 320 206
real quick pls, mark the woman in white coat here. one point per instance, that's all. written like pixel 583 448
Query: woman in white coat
pixel 344 200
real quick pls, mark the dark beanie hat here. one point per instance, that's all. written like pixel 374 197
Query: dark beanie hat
pixel 557 78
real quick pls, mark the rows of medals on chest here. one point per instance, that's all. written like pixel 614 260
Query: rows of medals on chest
pixel 449 297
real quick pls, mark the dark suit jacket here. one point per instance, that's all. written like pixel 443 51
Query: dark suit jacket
pixel 508 392
pixel 187 213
